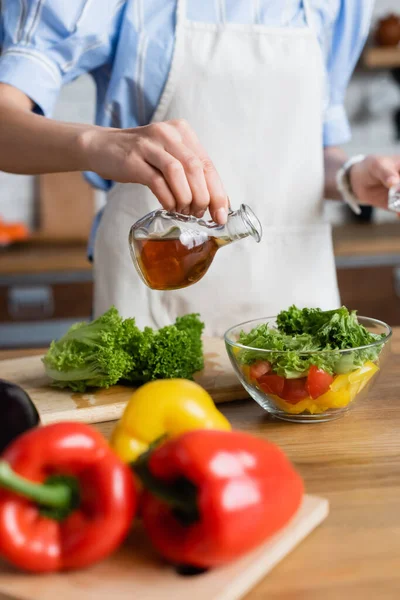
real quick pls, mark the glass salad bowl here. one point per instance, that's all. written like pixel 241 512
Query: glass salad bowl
pixel 325 385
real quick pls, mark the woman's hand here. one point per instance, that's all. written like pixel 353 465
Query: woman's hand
pixel 372 178
pixel 167 157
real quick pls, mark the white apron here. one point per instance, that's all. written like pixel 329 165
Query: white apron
pixel 254 95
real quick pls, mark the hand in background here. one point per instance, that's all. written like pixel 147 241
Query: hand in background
pixel 372 178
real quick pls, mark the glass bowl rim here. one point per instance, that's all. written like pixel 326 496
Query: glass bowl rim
pixel 232 343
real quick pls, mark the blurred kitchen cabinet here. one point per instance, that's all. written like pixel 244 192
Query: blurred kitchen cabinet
pixel 46 283
pixel 44 289
pixel 66 207
pixel 35 310
pixel 368 263
pixel 374 291
pixel 37 300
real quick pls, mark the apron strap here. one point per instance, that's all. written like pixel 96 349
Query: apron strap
pixel 176 64
pixel 255 4
pixel 181 12
pixel 220 11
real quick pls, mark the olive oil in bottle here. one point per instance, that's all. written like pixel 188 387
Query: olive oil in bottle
pixel 167 264
pixel 172 251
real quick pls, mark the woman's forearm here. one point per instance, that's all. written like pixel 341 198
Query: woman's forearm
pixel 334 159
pixel 31 144
pixel 166 157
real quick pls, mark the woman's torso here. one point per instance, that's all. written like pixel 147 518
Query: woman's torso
pixel 255 96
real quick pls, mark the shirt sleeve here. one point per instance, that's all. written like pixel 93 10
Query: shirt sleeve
pixel 349 34
pixel 47 44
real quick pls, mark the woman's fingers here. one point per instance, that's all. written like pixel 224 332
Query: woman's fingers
pixel 154 180
pixel 385 169
pixel 193 169
pixel 172 170
pixel 173 149
pixel 218 203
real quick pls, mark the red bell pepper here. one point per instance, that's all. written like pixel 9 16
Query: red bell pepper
pixel 67 500
pixel 210 496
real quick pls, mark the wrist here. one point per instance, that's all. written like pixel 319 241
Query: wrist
pixel 345 185
pixel 87 143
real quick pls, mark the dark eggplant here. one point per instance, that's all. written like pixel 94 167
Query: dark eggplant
pixel 17 413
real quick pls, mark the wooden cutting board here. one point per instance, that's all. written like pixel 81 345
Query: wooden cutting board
pixel 135 572
pixel 218 378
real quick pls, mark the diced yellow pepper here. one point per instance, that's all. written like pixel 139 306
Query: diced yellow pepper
pixel 335 399
pixel 341 381
pixel 363 374
pixel 308 404
pixel 343 390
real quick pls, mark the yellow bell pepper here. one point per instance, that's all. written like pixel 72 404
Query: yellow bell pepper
pixel 165 407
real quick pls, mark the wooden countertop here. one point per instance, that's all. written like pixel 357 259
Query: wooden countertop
pixel 355 463
pixel 39 257
pixel 366 239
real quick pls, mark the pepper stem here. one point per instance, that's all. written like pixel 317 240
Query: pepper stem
pixel 57 495
pixel 180 495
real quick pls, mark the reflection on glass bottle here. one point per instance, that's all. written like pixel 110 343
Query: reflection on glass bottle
pixel 172 251
pixel 394 198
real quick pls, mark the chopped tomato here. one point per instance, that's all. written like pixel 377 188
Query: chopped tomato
pixel 259 368
pixel 295 390
pixel 318 382
pixel 271 384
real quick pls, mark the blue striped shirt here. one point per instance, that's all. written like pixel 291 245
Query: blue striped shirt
pixel 127 45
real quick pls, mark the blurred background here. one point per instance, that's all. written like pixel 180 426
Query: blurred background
pixel 46 280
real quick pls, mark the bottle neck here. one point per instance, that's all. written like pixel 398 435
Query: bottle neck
pixel 241 223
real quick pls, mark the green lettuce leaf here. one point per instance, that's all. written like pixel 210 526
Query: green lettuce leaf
pixel 310 336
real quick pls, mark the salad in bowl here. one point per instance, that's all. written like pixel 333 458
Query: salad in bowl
pixel 308 364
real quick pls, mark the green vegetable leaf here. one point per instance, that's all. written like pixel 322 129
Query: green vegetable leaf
pixel 301 332
pixel 89 355
pixel 175 351
pixel 110 349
